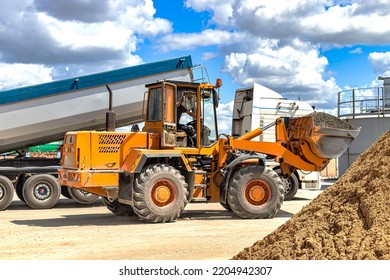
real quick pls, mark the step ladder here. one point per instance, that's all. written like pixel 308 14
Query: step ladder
pixel 200 186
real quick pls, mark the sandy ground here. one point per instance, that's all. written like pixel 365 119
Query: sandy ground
pixel 74 231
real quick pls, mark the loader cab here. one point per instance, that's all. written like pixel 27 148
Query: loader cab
pixel 179 112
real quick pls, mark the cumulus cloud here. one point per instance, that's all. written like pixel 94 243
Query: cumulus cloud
pixel 18 75
pixel 277 43
pixel 224 114
pixel 380 63
pixel 94 35
pixel 288 69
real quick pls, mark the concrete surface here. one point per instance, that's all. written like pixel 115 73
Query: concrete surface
pixel 74 231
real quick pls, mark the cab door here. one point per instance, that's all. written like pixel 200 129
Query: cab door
pixel 161 113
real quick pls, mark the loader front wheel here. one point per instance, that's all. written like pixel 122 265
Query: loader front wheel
pixel 118 208
pixel 255 192
pixel 160 194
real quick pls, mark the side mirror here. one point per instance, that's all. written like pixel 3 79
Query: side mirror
pixel 216 98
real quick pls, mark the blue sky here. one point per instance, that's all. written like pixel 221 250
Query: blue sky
pixel 309 49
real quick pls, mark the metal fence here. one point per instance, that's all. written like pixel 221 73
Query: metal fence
pixel 359 102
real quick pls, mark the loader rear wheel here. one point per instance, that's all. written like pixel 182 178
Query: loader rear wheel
pixel 255 192
pixel 6 192
pixel 118 208
pixel 41 191
pixel 160 194
pixel 82 197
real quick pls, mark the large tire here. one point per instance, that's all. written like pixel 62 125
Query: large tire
pixel 160 194
pixel 41 191
pixel 227 207
pixel 291 185
pixel 255 192
pixel 19 188
pixel 6 192
pixel 65 192
pixel 82 197
pixel 118 208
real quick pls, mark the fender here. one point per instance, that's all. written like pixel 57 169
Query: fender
pixel 230 168
pixel 136 161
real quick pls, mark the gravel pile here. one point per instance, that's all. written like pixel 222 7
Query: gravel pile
pixel 329 121
pixel 349 220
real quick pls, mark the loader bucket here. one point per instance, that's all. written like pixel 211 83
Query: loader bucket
pixel 332 142
pixel 324 142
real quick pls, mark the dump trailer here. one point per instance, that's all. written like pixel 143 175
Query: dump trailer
pixel 40 114
pixel 255 106
pixel 177 159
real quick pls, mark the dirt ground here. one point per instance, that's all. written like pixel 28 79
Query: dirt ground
pixel 74 231
pixel 348 221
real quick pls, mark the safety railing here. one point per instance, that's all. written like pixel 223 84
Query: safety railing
pixel 360 102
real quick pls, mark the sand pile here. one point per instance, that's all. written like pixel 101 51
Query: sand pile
pixel 326 120
pixel 349 220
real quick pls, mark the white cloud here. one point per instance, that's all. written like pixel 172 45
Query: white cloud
pixel 221 10
pixel 277 43
pixel 19 75
pixel 289 69
pixel 380 63
pixel 85 36
pixel 224 114
pixel 356 51
pixel 76 36
pixel 208 37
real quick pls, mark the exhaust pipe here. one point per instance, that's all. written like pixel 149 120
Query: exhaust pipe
pixel 110 115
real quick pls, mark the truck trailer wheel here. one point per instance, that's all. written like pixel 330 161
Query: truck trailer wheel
pixel 291 185
pixel 82 197
pixel 118 208
pixel 6 192
pixel 65 192
pixel 19 187
pixel 160 194
pixel 255 192
pixel 41 191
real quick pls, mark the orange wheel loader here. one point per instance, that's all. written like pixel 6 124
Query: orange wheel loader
pixel 179 157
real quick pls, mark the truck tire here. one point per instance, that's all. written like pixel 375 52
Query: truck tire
pixel 291 185
pixel 118 208
pixel 6 192
pixel 255 192
pixel 160 194
pixel 82 197
pixel 41 191
pixel 19 187
pixel 65 192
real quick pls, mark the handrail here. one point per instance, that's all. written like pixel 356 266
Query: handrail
pixel 367 101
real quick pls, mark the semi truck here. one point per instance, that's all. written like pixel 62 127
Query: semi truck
pixel 155 172
pixel 34 115
pixel 255 106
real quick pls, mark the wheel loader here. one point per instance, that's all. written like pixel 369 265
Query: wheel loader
pixel 178 157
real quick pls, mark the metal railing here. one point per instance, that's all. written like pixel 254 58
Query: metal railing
pixel 360 102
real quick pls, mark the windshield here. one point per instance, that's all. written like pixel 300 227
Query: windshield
pixel 154 110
